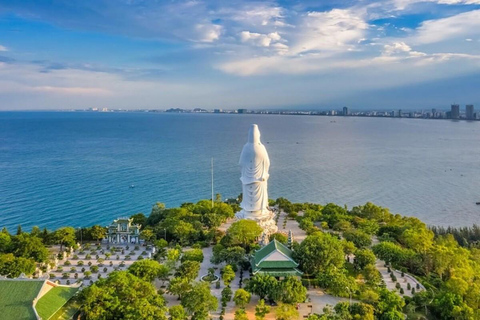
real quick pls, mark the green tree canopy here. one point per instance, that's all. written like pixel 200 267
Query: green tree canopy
pixel 244 232
pixel 146 269
pixel 199 301
pixel 177 313
pixel 241 298
pixel 363 257
pixel 228 274
pixel 189 270
pixel 319 252
pixel 98 232
pixel 291 290
pixel 122 296
pixel 263 285
pixel 261 310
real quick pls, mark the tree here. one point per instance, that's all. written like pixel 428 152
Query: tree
pixel 27 246
pixel 244 232
pixel 189 270
pixel 358 237
pixel 5 242
pixel 177 313
pixel 19 230
pixel 291 290
pixel 12 266
pixel 319 252
pixel 179 286
pixel 261 310
pixel 228 274
pixel 263 285
pixel 147 235
pixel 139 218
pixel 199 301
pixel 241 298
pixel 286 312
pixel 390 304
pixel 231 255
pixel 98 232
pixel 392 253
pixel 240 314
pixel 337 281
pixel 363 257
pixel 280 237
pixel 193 255
pixel 106 299
pixel 146 269
pixel 65 236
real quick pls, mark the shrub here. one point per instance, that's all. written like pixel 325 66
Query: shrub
pixel 127 257
pixel 418 286
pixel 52 276
pixel 401 291
pixel 137 248
pixel 68 282
pixel 75 257
pixel 403 274
pixel 88 256
pixel 105 269
pixel 80 263
pixel 65 275
pixel 397 285
pixel 409 287
pixel 83 269
pixel 67 263
pixel 75 275
pixel 73 269
pixel 413 290
pixel 140 258
pixel 94 269
pixel 90 263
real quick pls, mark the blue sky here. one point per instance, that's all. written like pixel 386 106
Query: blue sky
pixel 384 54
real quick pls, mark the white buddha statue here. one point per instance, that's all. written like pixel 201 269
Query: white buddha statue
pixel 255 164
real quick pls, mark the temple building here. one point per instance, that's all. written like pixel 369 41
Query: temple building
pixel 122 230
pixel 275 259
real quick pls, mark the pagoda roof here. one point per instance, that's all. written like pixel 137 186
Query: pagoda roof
pixel 274 255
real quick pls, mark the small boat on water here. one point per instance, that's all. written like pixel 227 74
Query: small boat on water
pixel 132 186
pixel 477 203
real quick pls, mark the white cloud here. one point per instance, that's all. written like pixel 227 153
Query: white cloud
pixel 208 32
pixel 403 4
pixel 335 30
pixel 258 39
pixel 2 48
pixel 460 25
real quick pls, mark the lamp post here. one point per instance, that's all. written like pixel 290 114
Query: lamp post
pixel 81 235
pixel 350 300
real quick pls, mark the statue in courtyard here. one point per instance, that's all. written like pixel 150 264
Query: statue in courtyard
pixel 255 164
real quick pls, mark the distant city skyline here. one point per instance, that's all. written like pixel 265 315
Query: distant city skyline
pixel 382 55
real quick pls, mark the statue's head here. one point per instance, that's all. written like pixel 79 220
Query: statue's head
pixel 254 134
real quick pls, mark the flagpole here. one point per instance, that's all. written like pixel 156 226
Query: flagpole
pixel 212 182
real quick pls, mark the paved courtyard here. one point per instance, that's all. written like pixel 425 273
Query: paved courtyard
pixel 89 258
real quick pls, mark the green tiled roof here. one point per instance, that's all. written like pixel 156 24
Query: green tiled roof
pixel 258 261
pixel 279 272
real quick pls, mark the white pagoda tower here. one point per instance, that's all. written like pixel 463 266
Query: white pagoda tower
pixel 255 163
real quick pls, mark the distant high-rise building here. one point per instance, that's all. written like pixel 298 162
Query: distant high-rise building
pixel 455 111
pixel 217 110
pixel 469 112
pixel 345 111
pixel 242 110
pixel 400 113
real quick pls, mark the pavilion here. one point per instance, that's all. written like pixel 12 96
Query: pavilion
pixel 275 259
pixel 122 230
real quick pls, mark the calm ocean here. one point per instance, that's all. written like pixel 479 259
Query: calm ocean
pixel 76 168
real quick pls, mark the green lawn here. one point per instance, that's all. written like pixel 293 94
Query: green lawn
pixel 16 298
pixel 53 300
